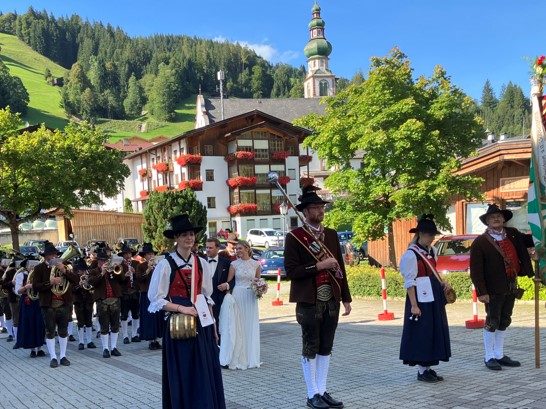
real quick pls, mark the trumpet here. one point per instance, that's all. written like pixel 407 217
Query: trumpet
pixel 114 265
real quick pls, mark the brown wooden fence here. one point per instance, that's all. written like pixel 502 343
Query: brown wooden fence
pixel 378 250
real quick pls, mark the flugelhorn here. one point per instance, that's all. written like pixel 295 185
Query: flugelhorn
pixel 114 265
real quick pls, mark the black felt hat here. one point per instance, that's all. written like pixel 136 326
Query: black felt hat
pixel 146 248
pixel 101 254
pixel 309 196
pixel 180 224
pixel 126 249
pixel 49 249
pixel 80 264
pixel 425 224
pixel 492 209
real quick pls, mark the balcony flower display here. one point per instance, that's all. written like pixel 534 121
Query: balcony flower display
pixel 306 182
pixel 241 155
pixel 242 181
pixel 189 159
pixel 305 159
pixel 143 172
pixel 243 209
pixel 283 180
pixel 280 155
pixel 193 184
pixel 143 193
pixel 161 167
pixel 162 188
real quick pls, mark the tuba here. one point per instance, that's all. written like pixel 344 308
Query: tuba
pixel 62 288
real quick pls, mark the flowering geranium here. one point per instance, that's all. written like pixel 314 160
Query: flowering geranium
pixel 242 155
pixel 280 155
pixel 143 171
pixel 242 181
pixel 193 184
pixel 143 193
pixel 183 160
pixel 160 167
pixel 162 188
pixel 243 208
pixel 284 180
pixel 539 70
pixel 259 287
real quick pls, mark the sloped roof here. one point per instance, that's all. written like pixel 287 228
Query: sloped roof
pixel 286 109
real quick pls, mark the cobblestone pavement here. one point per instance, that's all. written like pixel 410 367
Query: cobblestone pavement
pixel 365 371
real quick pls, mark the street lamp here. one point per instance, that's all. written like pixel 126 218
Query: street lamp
pixel 283 208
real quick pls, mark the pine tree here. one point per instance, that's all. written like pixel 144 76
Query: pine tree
pixel 135 98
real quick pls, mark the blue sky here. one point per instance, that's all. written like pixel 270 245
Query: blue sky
pixel 474 40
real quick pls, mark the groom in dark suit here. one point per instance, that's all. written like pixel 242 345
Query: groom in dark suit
pixel 219 267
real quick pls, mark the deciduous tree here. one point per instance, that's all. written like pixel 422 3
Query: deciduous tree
pixel 412 134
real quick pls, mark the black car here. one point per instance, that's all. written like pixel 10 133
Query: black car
pixel 30 252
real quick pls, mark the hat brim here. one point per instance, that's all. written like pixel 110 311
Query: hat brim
pixel 48 253
pixel 143 253
pixel 302 206
pixel 133 252
pixel 414 230
pixel 171 233
pixel 506 213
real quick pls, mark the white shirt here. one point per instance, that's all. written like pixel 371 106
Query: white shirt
pixel 19 278
pixel 160 282
pixel 408 266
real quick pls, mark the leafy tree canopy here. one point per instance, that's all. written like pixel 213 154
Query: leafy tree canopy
pixel 44 171
pixel 162 206
pixel 410 134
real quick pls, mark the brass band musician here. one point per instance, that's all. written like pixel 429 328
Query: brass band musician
pixel 130 298
pixel 83 306
pixel 6 284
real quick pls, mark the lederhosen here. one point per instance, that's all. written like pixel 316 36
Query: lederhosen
pixel 130 299
pixel 83 306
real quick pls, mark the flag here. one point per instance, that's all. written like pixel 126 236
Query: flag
pixel 536 198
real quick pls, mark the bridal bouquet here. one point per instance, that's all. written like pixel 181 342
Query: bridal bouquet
pixel 259 287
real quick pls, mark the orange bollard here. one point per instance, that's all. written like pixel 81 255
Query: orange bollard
pixel 278 301
pixel 474 323
pixel 385 315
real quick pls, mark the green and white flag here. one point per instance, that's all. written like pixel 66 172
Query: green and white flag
pixel 537 181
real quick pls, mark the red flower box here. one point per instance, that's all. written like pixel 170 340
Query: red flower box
pixel 143 172
pixel 184 160
pixel 304 182
pixel 193 184
pixel 280 155
pixel 161 167
pixel 243 208
pixel 305 159
pixel 143 193
pixel 242 181
pixel 162 188
pixel 283 180
pixel 242 155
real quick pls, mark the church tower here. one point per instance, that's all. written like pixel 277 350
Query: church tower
pixel 320 81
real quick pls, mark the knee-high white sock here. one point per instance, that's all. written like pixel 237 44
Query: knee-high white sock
pixel 309 373
pixel 50 343
pixel 9 327
pixel 489 344
pixel 63 342
pixel 97 325
pixel 134 327
pixel 89 334
pixel 104 341
pixel 124 329
pixel 15 332
pixel 81 336
pixel 114 339
pixel 499 344
pixel 323 363
pixel 2 321
pixel 70 328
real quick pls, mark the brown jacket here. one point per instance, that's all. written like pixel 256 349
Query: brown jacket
pixel 487 269
pixel 301 269
pixel 98 281
pixel 41 284
pixel 143 278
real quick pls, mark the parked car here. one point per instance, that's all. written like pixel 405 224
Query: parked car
pixel 38 243
pixel 265 237
pixel 351 256
pixel 30 252
pixel 91 244
pixel 271 260
pixel 454 253
pixel 62 246
pixel 130 241
pixel 344 236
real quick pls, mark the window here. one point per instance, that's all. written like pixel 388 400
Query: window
pixel 194 150
pixel 247 196
pixel 277 224
pixel 212 229
pixel 323 88
pixel 292 174
pixel 261 172
pixel 263 200
pixel 261 149
pixel 176 178
pixel 208 150
pixel 211 202
pixel 194 174
pixel 250 223
pixel 175 153
pixel 209 175
pixel 263 223
pixel 246 170
pixel 276 145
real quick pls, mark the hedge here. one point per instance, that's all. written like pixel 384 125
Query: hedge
pixel 365 281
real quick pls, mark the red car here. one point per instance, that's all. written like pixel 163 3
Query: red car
pixel 454 253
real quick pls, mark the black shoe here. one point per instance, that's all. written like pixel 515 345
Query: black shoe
pixel 91 345
pixel 493 364
pixel 81 347
pixel 98 335
pixel 152 346
pixel 331 401
pixel 33 354
pixel 507 361
pixel 65 361
pixel 16 346
pixel 10 338
pixel 115 352
pixel 427 377
pixel 71 338
pixel 433 372
pixel 126 340
pixel 135 339
pixel 316 402
pixel 157 345
pixel 53 363
pixel 106 354
pixel 40 353
pixel 4 330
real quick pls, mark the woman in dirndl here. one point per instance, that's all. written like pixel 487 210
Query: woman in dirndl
pixel 151 323
pixel 31 332
pixel 425 336
pixel 191 367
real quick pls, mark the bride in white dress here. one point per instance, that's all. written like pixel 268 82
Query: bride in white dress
pixel 239 320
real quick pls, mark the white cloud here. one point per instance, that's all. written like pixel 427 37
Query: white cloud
pixel 265 51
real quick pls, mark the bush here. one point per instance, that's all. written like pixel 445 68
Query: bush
pixel 365 281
